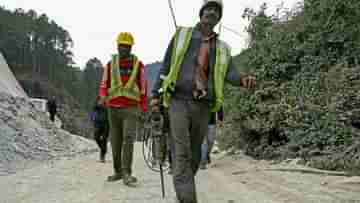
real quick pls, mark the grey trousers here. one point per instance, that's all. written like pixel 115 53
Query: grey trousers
pixel 189 124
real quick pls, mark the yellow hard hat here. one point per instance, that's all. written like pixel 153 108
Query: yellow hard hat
pixel 125 38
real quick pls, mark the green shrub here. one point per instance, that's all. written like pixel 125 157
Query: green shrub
pixel 307 64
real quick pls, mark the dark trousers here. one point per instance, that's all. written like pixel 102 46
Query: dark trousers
pixel 189 124
pixel 169 142
pixel 52 116
pixel 101 135
pixel 122 136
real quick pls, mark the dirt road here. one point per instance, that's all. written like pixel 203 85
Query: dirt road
pixel 82 180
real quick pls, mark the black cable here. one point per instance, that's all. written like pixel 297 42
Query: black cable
pixel 147 149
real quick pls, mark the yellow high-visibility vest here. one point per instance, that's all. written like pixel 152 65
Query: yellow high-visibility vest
pixel 130 89
pixel 180 46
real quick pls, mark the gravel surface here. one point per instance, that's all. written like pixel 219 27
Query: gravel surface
pixel 81 179
pixel 27 136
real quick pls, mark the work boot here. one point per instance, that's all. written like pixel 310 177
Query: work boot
pixel 115 177
pixel 129 180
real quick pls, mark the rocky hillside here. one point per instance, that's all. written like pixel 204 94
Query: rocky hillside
pixel 27 136
pixel 73 116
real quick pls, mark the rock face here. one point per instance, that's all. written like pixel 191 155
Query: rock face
pixel 71 113
pixel 8 82
pixel 27 135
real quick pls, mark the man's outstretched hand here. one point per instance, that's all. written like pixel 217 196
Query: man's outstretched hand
pixel 248 82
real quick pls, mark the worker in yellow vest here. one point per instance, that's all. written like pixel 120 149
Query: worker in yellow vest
pixel 190 82
pixel 123 92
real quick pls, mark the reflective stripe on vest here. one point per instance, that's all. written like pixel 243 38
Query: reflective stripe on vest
pixel 118 89
pixel 223 56
pixel 181 44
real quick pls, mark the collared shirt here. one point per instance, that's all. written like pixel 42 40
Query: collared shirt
pixel 202 68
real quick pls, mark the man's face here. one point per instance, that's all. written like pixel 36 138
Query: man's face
pixel 211 15
pixel 124 50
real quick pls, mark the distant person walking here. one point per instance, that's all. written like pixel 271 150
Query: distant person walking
pixel 52 108
pixel 99 116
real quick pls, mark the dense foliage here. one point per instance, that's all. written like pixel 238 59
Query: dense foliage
pixel 36 46
pixel 38 51
pixel 307 102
